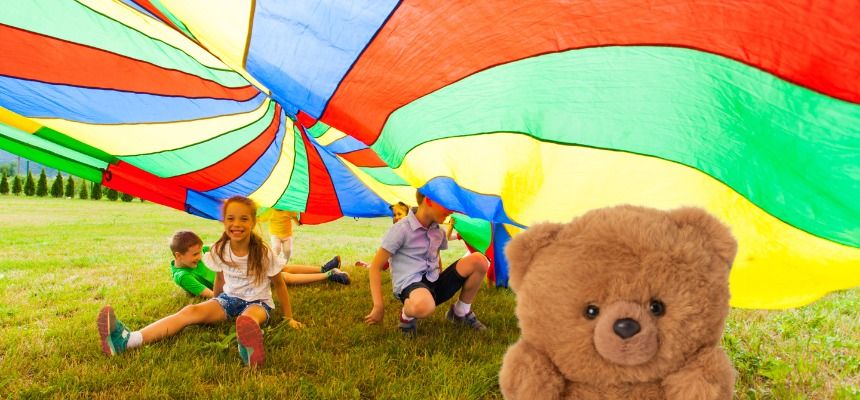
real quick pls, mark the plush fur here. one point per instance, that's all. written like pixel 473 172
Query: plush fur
pixel 622 260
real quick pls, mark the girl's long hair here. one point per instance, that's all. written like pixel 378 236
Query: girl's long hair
pixel 257 249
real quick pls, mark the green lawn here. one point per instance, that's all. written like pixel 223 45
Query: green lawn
pixel 62 260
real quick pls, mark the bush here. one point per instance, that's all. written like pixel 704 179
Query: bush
pixel 4 184
pixel 97 191
pixel 84 194
pixel 70 188
pixel 42 186
pixel 112 194
pixel 17 186
pixel 57 186
pixel 29 185
pixel 127 197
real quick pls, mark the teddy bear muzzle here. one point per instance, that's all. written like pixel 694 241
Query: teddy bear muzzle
pixel 625 334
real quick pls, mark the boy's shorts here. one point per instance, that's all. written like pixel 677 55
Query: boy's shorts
pixel 234 306
pixel 448 284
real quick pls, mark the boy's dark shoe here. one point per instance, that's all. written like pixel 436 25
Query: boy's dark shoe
pixel 112 333
pixel 339 277
pixel 409 328
pixel 331 264
pixel 250 338
pixel 470 320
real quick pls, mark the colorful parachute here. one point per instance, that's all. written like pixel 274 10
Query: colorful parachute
pixel 507 111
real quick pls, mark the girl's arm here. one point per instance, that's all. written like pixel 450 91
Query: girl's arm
pixel 378 310
pixel 284 299
pixel 219 284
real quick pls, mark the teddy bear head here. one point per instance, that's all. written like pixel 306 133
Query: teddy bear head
pixel 623 294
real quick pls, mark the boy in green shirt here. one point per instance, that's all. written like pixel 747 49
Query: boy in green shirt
pixel 187 269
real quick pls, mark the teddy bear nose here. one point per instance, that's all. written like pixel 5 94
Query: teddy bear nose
pixel 626 328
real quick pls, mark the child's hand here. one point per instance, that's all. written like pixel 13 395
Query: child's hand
pixel 295 324
pixel 375 316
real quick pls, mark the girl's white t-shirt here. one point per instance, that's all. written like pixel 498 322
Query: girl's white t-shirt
pixel 237 282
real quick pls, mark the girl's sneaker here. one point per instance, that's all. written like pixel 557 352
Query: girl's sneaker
pixel 250 339
pixel 112 333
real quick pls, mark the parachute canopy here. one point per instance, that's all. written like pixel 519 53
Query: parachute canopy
pixel 509 111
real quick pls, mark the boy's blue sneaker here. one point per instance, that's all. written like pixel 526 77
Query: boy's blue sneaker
pixel 339 277
pixel 250 338
pixel 409 328
pixel 331 264
pixel 112 333
pixel 470 320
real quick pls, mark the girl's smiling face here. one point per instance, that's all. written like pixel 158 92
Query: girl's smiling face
pixel 239 221
pixel 399 212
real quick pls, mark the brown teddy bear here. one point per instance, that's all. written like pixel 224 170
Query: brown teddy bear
pixel 621 303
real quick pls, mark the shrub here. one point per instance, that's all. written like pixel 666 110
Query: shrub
pixel 57 186
pixel 4 184
pixel 70 188
pixel 97 191
pixel 84 194
pixel 17 186
pixel 42 186
pixel 29 185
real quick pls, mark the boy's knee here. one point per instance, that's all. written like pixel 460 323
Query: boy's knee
pixel 422 308
pixel 478 263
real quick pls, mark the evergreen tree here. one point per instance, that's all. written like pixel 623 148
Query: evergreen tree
pixel 112 195
pixel 57 186
pixel 83 194
pixel 42 186
pixel 97 191
pixel 29 185
pixel 4 184
pixel 127 197
pixel 17 186
pixel 70 188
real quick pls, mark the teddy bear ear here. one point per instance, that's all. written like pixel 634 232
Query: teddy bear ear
pixel 723 243
pixel 522 248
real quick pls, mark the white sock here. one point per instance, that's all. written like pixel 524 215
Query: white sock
pixel 461 309
pixel 134 340
pixel 405 317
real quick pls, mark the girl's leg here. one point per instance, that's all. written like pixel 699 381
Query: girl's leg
pixel 257 313
pixel 208 312
pixel 277 246
pixel 287 243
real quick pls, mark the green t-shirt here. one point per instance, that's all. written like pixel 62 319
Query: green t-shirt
pixel 194 280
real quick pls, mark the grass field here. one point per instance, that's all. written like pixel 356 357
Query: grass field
pixel 62 260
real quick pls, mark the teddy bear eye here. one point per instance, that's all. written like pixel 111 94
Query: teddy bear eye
pixel 591 311
pixel 657 308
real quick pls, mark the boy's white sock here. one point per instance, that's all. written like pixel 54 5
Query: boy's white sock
pixel 461 309
pixel 134 340
pixel 405 317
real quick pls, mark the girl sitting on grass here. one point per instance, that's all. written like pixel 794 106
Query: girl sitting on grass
pixel 245 267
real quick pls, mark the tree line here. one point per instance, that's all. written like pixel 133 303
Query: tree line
pixel 59 187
